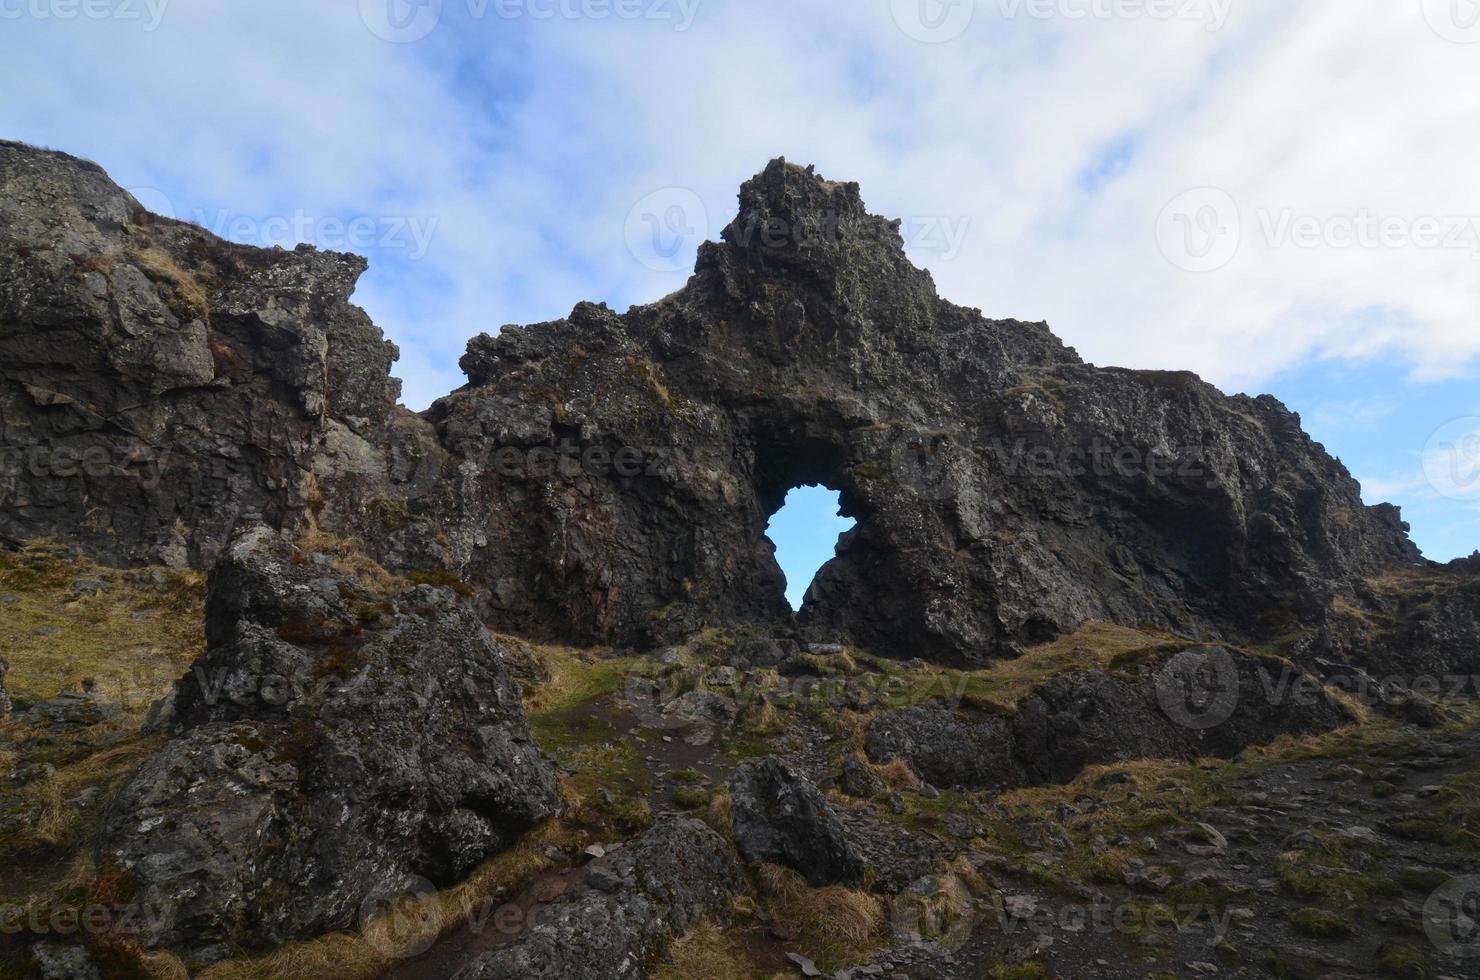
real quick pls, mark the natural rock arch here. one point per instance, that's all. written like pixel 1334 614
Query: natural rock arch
pixel 1004 490
pixel 608 478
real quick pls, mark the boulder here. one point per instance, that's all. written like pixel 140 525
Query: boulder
pixel 779 816
pixel 1208 701
pixel 634 902
pixel 858 780
pixel 334 743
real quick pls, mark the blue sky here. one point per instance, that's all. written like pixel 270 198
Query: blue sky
pixel 1276 194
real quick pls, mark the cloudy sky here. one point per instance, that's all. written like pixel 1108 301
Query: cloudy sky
pixel 1278 194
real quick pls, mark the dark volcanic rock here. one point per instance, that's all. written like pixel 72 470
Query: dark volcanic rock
pixel 608 477
pixel 336 745
pixel 858 780
pixel 1209 702
pixel 651 891
pixel 1005 491
pixel 157 383
pixel 779 816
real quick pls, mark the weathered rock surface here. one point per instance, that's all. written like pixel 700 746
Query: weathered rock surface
pixel 617 923
pixel 609 477
pixel 334 744
pixel 1005 491
pixel 1210 702
pixel 158 383
pixel 780 816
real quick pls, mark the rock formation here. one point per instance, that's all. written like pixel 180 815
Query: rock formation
pixel 1198 703
pixel 609 476
pixel 613 926
pixel 334 743
pixel 780 817
pixel 157 383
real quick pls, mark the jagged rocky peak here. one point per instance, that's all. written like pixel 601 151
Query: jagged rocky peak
pixel 1005 492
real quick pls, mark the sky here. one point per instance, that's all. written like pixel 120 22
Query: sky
pixel 1277 194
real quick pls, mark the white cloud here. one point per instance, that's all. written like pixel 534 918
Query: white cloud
pixel 529 142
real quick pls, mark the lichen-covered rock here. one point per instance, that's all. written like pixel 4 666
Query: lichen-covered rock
pixel 780 817
pixel 1201 702
pixel 157 382
pixel 621 919
pixel 858 780
pixel 334 743
pixel 609 477
pixel 1005 491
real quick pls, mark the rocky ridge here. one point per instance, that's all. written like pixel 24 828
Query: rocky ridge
pixel 608 477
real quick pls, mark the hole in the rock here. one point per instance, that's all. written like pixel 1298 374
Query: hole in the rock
pixel 805 532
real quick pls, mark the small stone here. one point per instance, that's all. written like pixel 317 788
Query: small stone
pixel 594 851
pixel 604 881
pixel 808 968
pixel 88 586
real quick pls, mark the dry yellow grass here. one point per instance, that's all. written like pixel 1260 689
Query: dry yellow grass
pixel 1095 646
pixel 54 640
pixel 706 953
pixel 386 937
pixel 760 717
pixel 897 774
pixel 717 814
pixel 350 560
pixel 936 914
pixel 159 265
pixel 842 925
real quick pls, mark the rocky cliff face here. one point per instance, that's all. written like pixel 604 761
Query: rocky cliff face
pixel 1004 490
pixel 159 383
pixel 609 477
